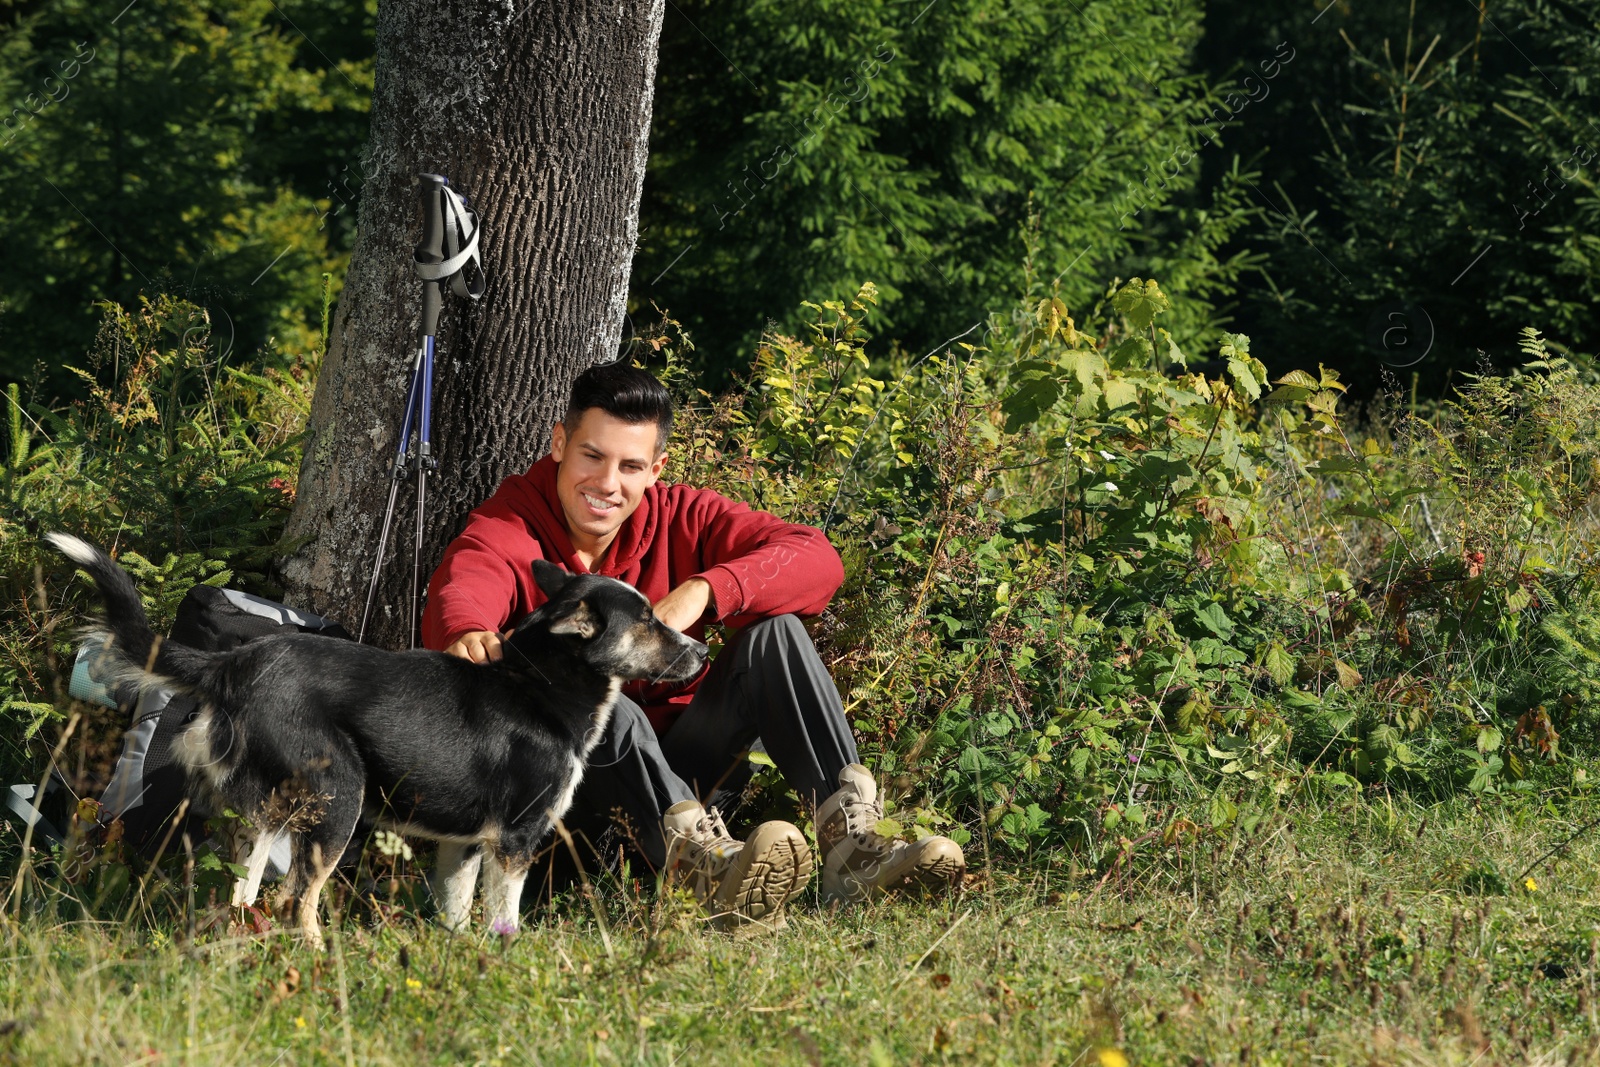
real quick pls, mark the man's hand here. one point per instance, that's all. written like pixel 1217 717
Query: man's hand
pixel 686 605
pixel 479 646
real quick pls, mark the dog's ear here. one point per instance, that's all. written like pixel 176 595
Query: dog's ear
pixel 582 621
pixel 550 578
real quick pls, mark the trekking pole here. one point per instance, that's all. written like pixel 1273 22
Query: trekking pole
pixel 449 243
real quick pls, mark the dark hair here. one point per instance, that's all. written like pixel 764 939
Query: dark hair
pixel 624 392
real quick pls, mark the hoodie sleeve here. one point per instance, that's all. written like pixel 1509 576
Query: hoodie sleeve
pixel 759 566
pixel 476 587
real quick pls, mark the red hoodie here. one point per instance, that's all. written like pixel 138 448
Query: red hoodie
pixel 758 566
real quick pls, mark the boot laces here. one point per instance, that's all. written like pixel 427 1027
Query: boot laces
pixel 712 847
pixel 862 819
pixel 711 827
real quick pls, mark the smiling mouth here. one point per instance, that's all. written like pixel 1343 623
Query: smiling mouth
pixel 598 505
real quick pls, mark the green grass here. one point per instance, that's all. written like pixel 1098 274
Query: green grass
pixel 1362 933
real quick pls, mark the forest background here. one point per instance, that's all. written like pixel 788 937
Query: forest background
pixel 1295 173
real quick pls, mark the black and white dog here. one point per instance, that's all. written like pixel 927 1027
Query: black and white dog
pixel 302 733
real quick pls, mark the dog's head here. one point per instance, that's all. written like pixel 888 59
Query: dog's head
pixel 609 626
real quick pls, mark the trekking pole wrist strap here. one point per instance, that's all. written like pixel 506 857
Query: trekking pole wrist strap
pixel 460 248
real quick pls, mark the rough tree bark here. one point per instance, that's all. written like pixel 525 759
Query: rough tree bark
pixel 540 112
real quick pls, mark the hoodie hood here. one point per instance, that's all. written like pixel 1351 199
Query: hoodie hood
pixel 535 500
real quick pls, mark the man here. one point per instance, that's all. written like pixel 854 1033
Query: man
pixel 595 504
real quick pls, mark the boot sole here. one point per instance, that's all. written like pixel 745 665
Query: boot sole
pixel 942 874
pixel 939 876
pixel 777 869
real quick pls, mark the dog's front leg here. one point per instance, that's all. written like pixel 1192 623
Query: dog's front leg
pixel 503 877
pixel 246 888
pixel 455 876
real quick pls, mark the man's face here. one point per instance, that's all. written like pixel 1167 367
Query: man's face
pixel 603 469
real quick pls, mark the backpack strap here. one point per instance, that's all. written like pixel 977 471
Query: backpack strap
pixel 220 620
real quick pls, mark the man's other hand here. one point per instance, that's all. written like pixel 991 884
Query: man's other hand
pixel 685 605
pixel 480 646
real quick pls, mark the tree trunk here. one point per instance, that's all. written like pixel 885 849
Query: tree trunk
pixel 540 115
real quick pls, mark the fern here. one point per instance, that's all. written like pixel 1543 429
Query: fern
pixel 163 585
pixel 1571 666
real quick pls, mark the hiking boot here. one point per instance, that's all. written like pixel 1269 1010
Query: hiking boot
pixel 858 862
pixel 742 884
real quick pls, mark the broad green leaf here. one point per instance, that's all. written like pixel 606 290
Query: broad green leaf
pixel 1086 367
pixel 1289 394
pixel 1031 397
pixel 1191 717
pixel 1483 777
pixel 1088 405
pixel 1141 301
pixel 1223 811
pixel 1279 664
pixel 1213 618
pixel 1383 738
pixel 1244 378
pixel 1170 350
pixel 1119 393
pixel 1131 352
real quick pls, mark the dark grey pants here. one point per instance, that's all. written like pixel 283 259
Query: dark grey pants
pixel 768 682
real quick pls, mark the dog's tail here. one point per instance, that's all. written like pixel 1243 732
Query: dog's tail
pixel 152 660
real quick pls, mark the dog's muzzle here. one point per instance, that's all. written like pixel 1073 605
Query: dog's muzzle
pixel 681 658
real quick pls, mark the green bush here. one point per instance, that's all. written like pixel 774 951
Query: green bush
pixel 1099 599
